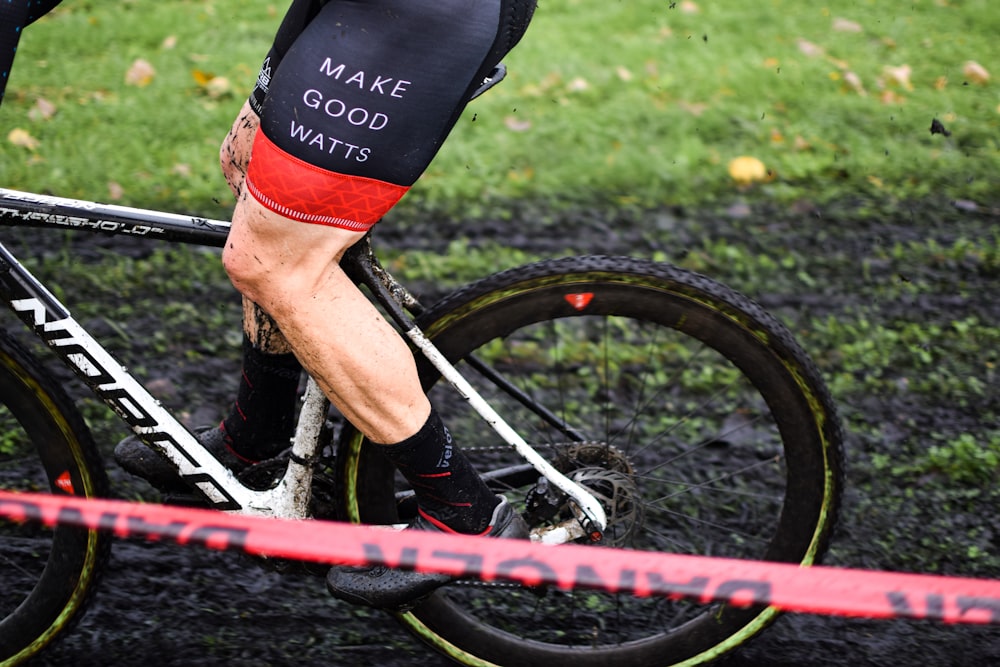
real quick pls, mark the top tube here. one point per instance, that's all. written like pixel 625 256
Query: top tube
pixel 37 210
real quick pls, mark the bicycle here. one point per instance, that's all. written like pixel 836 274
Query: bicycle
pixel 666 412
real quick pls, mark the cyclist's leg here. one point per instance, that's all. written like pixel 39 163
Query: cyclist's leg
pixel 354 113
pixel 360 361
pixel 261 420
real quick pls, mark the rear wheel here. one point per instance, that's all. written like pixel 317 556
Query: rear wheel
pixel 48 574
pixel 689 411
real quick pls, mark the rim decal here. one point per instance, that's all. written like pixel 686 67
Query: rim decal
pixel 579 300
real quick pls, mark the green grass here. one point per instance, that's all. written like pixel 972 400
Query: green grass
pixel 635 105
pixel 642 103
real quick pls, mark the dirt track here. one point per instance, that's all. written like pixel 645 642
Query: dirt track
pixel 165 605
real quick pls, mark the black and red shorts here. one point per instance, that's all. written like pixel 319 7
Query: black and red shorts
pixel 356 97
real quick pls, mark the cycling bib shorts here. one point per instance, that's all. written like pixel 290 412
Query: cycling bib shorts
pixel 356 97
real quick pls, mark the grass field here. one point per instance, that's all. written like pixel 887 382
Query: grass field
pixel 643 103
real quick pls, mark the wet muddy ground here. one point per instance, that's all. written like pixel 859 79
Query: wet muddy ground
pixel 161 604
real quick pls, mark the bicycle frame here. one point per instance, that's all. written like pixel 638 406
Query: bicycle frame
pixel 52 322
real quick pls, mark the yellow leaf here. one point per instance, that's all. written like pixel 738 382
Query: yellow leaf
pixel 201 77
pixel 140 73
pixel 20 137
pixel 745 170
pixel 975 72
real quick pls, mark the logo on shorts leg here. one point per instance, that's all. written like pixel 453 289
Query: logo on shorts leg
pixel 264 78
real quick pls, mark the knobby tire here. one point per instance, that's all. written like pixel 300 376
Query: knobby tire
pixel 691 413
pixel 45 446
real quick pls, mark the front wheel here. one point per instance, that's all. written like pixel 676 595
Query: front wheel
pixel 48 574
pixel 686 409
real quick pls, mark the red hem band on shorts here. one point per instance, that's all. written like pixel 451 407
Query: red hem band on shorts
pixel 298 190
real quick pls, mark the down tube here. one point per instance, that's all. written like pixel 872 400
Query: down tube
pixel 51 322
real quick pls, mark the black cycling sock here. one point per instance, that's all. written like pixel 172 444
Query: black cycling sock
pixel 262 419
pixel 448 489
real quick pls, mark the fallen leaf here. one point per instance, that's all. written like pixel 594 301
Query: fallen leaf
pixel 141 73
pixel 43 110
pixel 516 124
pixel 846 25
pixel 115 191
pixel 20 137
pixel 219 87
pixel 810 49
pixel 975 72
pixel 745 170
pixel 170 42
pixel 577 85
pixel 853 81
pixel 623 73
pixel 688 7
pixel 202 77
pixel 899 76
pixel 521 175
pixel 891 97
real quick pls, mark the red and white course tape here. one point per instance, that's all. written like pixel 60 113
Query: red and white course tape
pixel 815 590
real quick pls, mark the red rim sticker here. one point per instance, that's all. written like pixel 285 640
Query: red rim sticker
pixel 579 300
pixel 64 482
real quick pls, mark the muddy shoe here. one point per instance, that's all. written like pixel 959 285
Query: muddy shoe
pixel 138 458
pixel 400 590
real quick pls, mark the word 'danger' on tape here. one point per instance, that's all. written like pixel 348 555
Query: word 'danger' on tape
pixel 789 587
